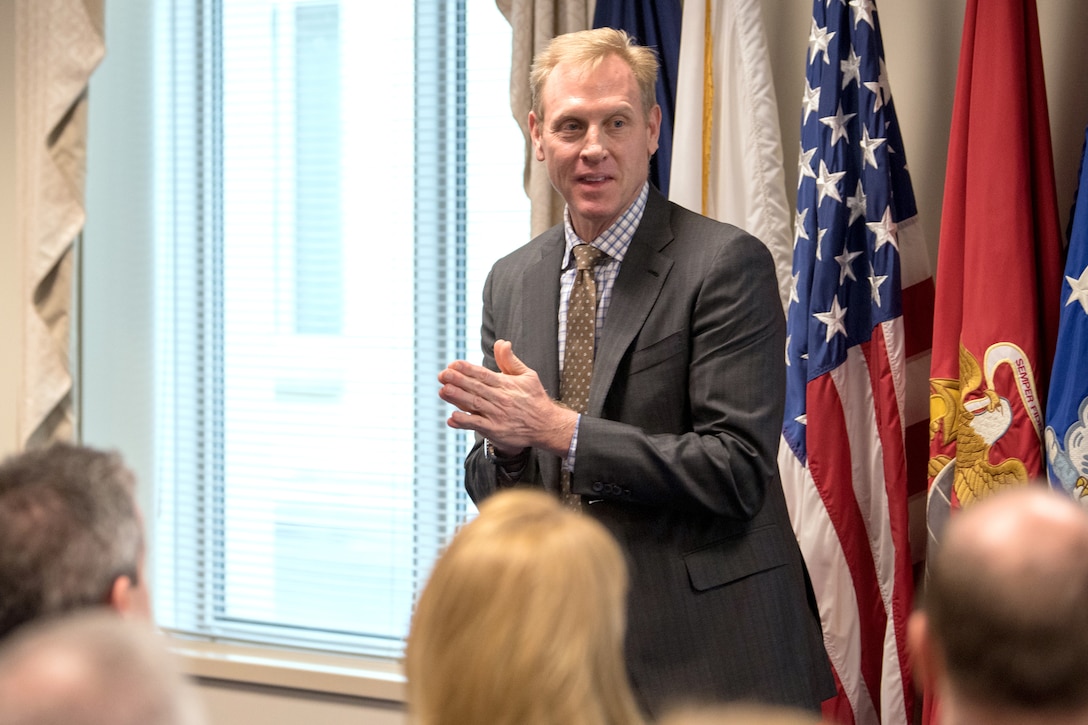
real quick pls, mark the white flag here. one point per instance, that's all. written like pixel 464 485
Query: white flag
pixel 727 146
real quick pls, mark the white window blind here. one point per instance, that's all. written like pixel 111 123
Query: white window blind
pixel 333 180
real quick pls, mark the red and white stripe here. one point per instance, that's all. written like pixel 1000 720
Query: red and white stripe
pixel 849 505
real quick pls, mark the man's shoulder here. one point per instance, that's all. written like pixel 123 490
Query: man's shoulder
pixel 548 242
pixel 700 235
pixel 683 223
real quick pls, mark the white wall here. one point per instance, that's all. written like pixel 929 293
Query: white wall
pixel 116 256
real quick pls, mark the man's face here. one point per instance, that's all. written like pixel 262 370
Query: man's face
pixel 596 141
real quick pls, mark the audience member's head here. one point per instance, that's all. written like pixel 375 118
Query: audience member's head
pixel 522 622
pixel 1003 631
pixel 92 668
pixel 71 535
pixel 586 49
pixel 740 714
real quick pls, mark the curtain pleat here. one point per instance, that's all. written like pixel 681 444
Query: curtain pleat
pixel 534 23
pixel 59 43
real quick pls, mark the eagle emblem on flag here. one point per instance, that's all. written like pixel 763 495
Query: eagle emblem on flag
pixel 974 416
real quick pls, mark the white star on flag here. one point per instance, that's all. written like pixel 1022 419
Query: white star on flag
pixel 851 69
pixel 884 230
pixel 869 146
pixel 818 38
pixel 856 205
pixel 833 318
pixel 1079 291
pixel 827 183
pixel 837 123
pixel 804 165
pixel 799 231
pixel 844 261
pixel 863 10
pixel 810 101
pixel 875 280
pixel 880 88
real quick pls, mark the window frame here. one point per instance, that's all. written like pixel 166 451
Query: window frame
pixel 196 182
pixel 116 260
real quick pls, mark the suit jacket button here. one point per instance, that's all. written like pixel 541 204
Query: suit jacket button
pixel 597 487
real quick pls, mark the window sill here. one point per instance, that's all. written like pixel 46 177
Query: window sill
pixel 369 678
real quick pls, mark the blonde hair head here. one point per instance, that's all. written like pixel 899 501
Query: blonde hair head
pixel 586 49
pixel 522 621
pixel 740 713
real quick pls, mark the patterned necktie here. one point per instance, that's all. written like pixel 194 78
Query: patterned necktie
pixel 581 337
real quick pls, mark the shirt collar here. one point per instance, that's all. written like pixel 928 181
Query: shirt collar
pixel 613 241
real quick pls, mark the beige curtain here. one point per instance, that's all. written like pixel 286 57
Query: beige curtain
pixel 534 23
pixel 58 45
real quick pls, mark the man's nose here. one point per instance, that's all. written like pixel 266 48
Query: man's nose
pixel 594 149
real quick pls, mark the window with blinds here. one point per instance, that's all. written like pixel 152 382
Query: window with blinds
pixel 333 181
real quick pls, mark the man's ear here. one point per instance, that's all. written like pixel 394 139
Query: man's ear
pixel 653 128
pixel 535 136
pixel 128 599
pixel 120 598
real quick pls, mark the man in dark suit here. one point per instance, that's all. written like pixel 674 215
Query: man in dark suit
pixel 675 449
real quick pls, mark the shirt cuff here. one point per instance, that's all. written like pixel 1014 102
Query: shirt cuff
pixel 568 462
pixel 508 468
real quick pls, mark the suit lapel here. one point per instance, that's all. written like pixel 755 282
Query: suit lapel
pixel 642 275
pixel 539 348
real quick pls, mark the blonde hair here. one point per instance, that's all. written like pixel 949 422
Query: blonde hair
pixel 740 713
pixel 522 622
pixel 586 49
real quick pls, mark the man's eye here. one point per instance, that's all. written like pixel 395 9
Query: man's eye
pixel 569 127
pixel 619 123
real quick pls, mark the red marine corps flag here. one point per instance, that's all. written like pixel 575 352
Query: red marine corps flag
pixel 998 268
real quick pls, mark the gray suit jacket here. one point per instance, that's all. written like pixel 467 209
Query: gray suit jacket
pixel 677 454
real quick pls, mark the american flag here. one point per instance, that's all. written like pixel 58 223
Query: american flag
pixel 859 323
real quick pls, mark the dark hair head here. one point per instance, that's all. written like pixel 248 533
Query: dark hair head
pixel 69 526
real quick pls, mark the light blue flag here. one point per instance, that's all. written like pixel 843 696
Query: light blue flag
pixel 1067 404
